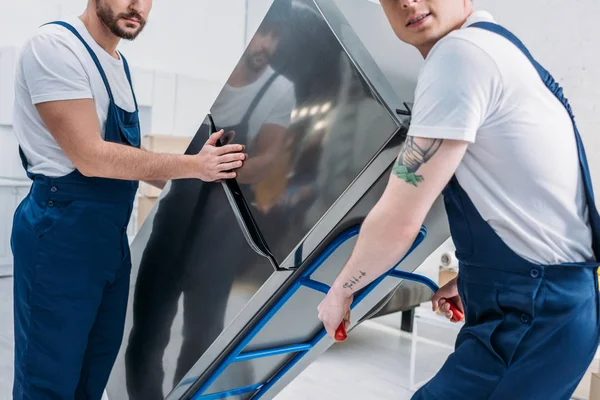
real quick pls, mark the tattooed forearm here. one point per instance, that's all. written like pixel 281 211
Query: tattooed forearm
pixel 412 156
pixel 354 280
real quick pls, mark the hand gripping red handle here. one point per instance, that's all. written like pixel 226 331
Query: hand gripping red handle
pixel 341 334
pixel 456 313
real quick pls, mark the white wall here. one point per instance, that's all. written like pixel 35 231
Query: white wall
pixel 199 38
pixel 9 158
pixel 11 194
pixel 185 54
pixel 564 36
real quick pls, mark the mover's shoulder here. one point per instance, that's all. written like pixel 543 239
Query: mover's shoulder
pixel 462 49
pixel 49 39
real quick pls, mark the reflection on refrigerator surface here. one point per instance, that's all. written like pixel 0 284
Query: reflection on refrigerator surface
pixel 310 123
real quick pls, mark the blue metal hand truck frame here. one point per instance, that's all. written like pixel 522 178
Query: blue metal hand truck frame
pixel 305 280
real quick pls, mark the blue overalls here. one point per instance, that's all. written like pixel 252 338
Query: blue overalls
pixel 71 272
pixel 531 330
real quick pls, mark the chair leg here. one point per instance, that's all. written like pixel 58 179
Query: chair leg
pixel 408 318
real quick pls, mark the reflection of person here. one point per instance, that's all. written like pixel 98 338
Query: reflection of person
pixel 256 103
pixel 77 124
pixel 176 265
pixel 492 130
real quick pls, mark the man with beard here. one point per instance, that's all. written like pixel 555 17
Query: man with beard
pixel 77 124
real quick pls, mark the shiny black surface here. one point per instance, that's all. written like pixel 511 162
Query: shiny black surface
pixel 187 261
pixel 314 128
pixel 319 126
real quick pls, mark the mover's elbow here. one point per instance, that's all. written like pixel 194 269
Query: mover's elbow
pixel 87 168
pixel 86 159
pixel 85 172
pixel 405 228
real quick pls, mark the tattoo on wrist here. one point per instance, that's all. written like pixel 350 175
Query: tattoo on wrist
pixel 354 280
pixel 412 156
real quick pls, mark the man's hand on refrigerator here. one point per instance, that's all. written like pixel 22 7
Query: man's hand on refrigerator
pixel 214 163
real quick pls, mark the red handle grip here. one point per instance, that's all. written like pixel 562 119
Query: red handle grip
pixel 456 313
pixel 340 333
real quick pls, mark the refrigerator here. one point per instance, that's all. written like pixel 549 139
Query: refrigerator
pixel 322 125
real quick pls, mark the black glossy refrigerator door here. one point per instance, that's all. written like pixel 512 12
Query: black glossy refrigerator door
pixel 320 129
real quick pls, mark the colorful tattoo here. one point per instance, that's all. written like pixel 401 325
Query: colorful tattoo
pixel 412 156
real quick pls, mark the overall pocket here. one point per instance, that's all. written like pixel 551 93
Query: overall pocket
pixel 518 318
pixel 45 218
pixel 498 317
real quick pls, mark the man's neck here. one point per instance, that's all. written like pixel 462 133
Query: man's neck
pixel 425 49
pixel 243 76
pixel 100 33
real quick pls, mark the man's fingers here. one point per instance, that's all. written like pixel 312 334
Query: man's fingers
pixel 227 158
pixel 448 291
pixel 212 140
pixel 330 331
pixel 330 328
pixel 326 325
pixel 443 305
pixel 230 148
pixel 346 320
pixel 437 302
pixel 226 175
pixel 230 166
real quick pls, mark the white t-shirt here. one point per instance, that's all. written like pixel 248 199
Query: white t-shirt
pixel 274 108
pixel 55 65
pixel 521 169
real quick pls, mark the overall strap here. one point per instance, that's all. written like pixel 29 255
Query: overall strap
pixel 92 54
pixel 128 73
pixel 555 88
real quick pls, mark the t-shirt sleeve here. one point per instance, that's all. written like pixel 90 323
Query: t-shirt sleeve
pixel 52 70
pixel 281 113
pixel 456 91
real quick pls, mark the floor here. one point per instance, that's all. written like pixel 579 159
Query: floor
pixel 374 362
pixel 6 338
